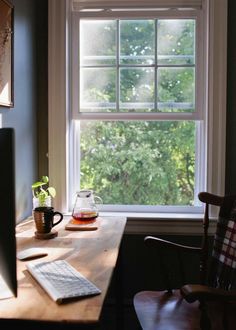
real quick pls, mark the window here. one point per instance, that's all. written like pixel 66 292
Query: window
pixel 144 71
pixel 138 102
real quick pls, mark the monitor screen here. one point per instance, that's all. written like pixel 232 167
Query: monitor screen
pixel 7 209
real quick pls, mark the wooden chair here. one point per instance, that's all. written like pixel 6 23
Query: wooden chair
pixel 203 305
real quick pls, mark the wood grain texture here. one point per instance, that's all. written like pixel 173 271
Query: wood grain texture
pixel 93 253
pixel 161 310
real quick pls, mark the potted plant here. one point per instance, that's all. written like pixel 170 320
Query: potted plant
pixel 42 193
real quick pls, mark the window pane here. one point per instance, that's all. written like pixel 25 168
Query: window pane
pixel 134 162
pixel 137 41
pixel 97 90
pixel 98 42
pixel 136 89
pixel 176 89
pixel 176 41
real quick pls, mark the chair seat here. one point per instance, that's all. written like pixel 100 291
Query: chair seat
pixel 164 311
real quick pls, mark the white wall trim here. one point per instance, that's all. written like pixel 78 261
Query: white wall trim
pixel 217 66
pixel 194 227
pixel 58 100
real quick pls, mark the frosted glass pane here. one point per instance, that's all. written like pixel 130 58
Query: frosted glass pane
pixel 137 41
pixel 97 89
pixel 98 42
pixel 136 89
pixel 176 89
pixel 176 41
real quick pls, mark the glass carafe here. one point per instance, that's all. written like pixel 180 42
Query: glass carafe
pixel 85 207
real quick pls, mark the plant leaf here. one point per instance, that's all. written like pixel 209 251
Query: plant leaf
pixel 37 184
pixel 45 179
pixel 52 191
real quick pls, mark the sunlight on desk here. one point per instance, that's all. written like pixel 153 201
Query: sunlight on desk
pixel 93 253
pixel 53 254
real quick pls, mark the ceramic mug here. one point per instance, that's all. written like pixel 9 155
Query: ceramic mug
pixel 44 218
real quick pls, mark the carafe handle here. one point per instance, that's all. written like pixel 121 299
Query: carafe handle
pixel 98 200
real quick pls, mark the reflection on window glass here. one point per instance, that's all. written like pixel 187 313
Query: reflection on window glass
pixel 135 65
pixel 97 89
pixel 176 41
pixel 176 89
pixel 137 42
pixel 98 42
pixel 136 88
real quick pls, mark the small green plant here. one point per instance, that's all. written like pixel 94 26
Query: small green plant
pixel 42 191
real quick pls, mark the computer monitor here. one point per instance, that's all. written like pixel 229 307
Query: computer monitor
pixel 7 209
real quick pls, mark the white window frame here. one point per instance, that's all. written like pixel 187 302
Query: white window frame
pixel 198 116
pixel 60 98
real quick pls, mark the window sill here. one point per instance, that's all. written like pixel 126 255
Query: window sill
pixel 163 223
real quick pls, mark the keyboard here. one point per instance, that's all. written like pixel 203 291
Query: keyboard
pixel 61 281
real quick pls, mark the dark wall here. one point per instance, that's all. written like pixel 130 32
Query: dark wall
pixel 231 102
pixel 42 84
pixel 141 265
pixel 29 115
pixel 22 117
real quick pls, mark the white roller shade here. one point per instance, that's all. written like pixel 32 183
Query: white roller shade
pixel 79 5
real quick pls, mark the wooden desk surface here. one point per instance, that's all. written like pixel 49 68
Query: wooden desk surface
pixel 93 253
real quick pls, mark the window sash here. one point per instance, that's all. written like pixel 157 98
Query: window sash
pixel 198 114
pixel 118 66
pixel 199 184
pixel 83 5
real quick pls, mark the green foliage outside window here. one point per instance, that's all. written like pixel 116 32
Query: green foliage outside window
pixel 146 163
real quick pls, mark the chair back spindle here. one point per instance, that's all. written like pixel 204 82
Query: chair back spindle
pixel 205 246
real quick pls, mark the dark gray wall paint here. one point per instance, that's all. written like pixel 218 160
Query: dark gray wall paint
pixel 42 84
pixel 230 186
pixel 22 117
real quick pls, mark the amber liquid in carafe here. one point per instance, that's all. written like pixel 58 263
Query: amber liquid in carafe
pixel 84 215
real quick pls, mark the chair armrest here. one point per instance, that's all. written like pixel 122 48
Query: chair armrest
pixel 160 243
pixel 209 198
pixel 193 292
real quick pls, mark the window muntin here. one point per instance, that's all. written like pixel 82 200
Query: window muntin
pixel 135 70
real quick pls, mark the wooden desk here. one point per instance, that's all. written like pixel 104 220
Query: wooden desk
pixel 93 253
